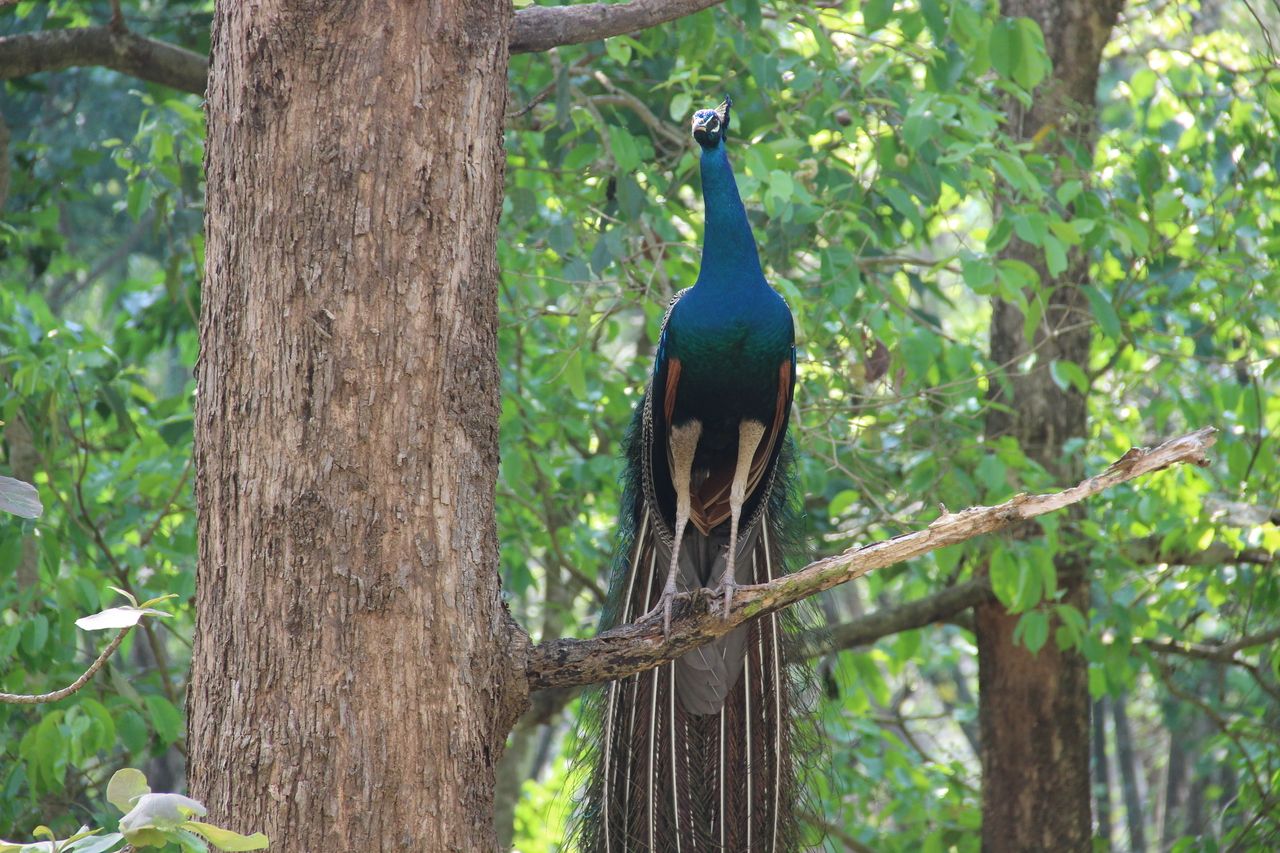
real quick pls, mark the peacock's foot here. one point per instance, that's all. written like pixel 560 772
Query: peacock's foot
pixel 727 587
pixel 665 601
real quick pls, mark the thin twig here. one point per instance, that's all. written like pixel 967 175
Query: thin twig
pixel 117 18
pixel 40 698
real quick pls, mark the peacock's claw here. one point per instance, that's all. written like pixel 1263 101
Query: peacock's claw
pixel 665 602
pixel 728 586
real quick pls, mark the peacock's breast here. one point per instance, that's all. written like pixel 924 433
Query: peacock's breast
pixel 730 351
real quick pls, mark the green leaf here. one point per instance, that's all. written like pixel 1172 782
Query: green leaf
pixel 581 155
pixel 1033 62
pixel 1005 47
pixel 936 19
pixel 842 503
pixel 225 839
pixel 1067 192
pixel 165 718
pixel 626 150
pixel 1068 373
pixel 618 49
pixel 1034 630
pixel 1016 48
pixel 1097 681
pixel 95 843
pixel 134 733
pixel 979 275
pixel 1030 583
pixel 139 196
pixel 1004 576
pixel 875 14
pixel 126 786
pixel 1055 255
pixel 103 726
pixel 681 107
pixel 189 841
pixel 781 185
pixel 35 634
pixel 991 472
pixel 1102 311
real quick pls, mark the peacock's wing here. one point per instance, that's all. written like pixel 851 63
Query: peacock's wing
pixel 711 498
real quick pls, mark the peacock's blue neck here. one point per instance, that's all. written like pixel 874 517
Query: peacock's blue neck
pixel 730 259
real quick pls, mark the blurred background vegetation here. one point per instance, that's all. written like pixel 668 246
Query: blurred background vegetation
pixel 870 144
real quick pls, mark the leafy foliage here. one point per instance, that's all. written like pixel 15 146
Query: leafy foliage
pixel 872 149
pixel 99 254
pixel 150 820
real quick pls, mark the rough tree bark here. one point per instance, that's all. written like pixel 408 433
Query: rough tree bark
pixel 350 683
pixel 1034 709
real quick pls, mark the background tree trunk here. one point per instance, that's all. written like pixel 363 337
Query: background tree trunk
pixel 1130 773
pixel 1175 788
pixel 349 689
pixel 1034 709
pixel 1101 773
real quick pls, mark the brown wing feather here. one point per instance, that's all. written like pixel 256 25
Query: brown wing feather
pixel 669 397
pixel 709 505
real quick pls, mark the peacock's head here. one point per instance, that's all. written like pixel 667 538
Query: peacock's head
pixel 711 126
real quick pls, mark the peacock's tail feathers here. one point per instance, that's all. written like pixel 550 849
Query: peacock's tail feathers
pixel 702 753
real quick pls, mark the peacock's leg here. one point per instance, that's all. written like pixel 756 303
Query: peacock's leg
pixel 749 435
pixel 684 444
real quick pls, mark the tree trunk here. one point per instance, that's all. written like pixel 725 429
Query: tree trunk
pixel 513 770
pixel 1101 771
pixel 1175 788
pixel 1034 709
pixel 1130 774
pixel 350 678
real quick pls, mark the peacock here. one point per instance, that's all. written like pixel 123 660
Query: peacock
pixel 698 754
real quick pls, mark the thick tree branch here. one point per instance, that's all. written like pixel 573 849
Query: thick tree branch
pixel 935 607
pixel 1240 514
pixel 534 29
pixel 1223 653
pixel 538 28
pixel 1148 550
pixel 641 646
pixel 148 59
pixel 945 604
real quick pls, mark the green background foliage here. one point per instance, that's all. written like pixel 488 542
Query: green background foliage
pixel 871 144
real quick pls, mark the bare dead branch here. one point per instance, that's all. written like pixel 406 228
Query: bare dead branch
pixel 39 698
pixel 539 28
pixel 641 646
pixel 147 59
